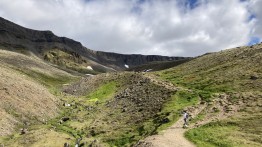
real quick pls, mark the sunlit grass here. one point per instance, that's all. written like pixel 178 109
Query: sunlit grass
pixel 174 107
pixel 240 132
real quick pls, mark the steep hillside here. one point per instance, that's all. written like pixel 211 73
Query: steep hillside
pixel 236 69
pixel 25 98
pixel 119 61
pixel 156 66
pixel 46 45
pixel 230 82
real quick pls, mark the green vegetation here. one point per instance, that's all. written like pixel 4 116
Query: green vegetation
pixel 240 132
pixel 204 89
pixel 212 135
pixel 48 80
pixel 235 73
pixel 53 83
pixel 79 117
pixel 173 108
pixel 199 117
pixel 117 114
pixel 103 93
pixel 69 60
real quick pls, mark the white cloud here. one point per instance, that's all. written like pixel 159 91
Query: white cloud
pixel 165 27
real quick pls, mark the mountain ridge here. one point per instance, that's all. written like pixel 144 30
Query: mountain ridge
pixel 16 37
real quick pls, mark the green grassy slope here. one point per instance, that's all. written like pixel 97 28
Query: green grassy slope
pixel 224 71
pixel 236 73
pixel 119 109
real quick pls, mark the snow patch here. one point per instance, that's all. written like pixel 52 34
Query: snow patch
pixel 148 70
pixel 89 75
pixel 89 67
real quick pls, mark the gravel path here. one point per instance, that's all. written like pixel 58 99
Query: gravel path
pixel 173 136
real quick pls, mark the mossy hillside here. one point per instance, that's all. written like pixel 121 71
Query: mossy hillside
pixel 54 83
pixel 231 132
pixel 37 70
pixel 40 136
pixel 77 125
pixel 225 71
pixel 245 121
pixel 174 107
pixel 234 72
pixel 69 60
pixel 121 108
pixel 37 108
pixel 103 93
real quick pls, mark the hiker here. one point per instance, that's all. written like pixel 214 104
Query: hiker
pixel 78 142
pixel 185 117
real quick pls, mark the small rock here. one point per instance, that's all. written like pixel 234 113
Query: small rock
pixel 64 119
pixel 66 144
pixel 23 131
pixel 253 77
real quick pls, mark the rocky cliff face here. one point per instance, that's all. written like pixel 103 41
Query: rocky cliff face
pixel 15 37
pixel 131 60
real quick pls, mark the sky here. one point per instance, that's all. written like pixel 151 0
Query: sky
pixel 150 27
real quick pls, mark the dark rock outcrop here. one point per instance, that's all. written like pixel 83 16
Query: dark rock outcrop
pixel 132 60
pixel 17 38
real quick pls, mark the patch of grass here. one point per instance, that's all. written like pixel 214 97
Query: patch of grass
pixel 53 83
pixel 69 60
pixel 211 135
pixel 9 138
pixel 173 108
pixel 68 130
pixel 204 88
pixel 199 117
pixel 38 137
pixel 236 132
pixel 103 92
pixel 78 113
pixel 49 81
pixel 123 141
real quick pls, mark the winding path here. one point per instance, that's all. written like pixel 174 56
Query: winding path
pixel 172 137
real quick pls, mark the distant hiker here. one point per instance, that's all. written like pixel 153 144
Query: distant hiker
pixel 78 142
pixel 185 117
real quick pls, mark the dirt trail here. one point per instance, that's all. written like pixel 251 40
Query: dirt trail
pixel 173 136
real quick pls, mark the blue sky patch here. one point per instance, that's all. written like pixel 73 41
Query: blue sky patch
pixel 192 3
pixel 254 40
pixel 251 17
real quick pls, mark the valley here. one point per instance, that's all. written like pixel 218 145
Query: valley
pixel 54 92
